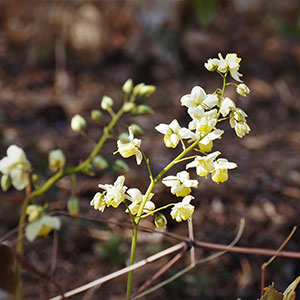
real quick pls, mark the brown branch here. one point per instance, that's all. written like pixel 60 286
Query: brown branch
pixel 266 264
pixel 123 271
pixel 198 244
pixel 161 271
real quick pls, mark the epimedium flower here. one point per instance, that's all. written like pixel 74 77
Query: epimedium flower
pixel 99 201
pixel 16 166
pixel 56 160
pixel 114 194
pixel 130 147
pixel 136 197
pixel 173 133
pixel 220 171
pixel 227 105
pixel 198 97
pixel 238 122
pixel 242 89
pixel 203 123
pixel 180 184
pixel 183 210
pixel 204 164
pixel 230 63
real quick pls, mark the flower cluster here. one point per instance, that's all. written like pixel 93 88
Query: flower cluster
pixel 115 194
pixel 206 111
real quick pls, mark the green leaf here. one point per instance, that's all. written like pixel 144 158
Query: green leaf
pixel 289 292
pixel 271 294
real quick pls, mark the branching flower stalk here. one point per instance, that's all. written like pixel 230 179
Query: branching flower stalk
pixel 206 111
pixel 16 171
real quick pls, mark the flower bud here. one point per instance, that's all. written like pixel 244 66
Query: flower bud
pixel 88 170
pixel 5 182
pixel 100 163
pixel 36 180
pixel 106 103
pixel 142 109
pixel 160 221
pixel 96 115
pixel 128 106
pixel 136 129
pixel 142 90
pixel 127 86
pixel 34 212
pixel 242 89
pixel 124 138
pixel 78 123
pixel 120 166
pixel 56 160
pixel 73 206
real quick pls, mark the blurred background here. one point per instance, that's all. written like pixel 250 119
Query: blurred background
pixel 58 58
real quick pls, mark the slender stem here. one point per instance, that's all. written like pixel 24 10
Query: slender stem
pixel 131 261
pixel 84 134
pixel 147 162
pixel 107 130
pixel 191 236
pixel 20 240
pixel 156 210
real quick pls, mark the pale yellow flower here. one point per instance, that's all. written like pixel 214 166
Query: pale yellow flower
pixel 34 212
pixel 16 165
pixel 220 171
pixel 183 210
pixel 180 184
pixel 173 133
pixel 56 160
pixel 99 201
pixel 242 89
pixel 198 97
pixel 130 147
pixel 114 194
pixel 137 198
pixel 204 164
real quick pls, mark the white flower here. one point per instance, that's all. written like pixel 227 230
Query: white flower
pixel 205 123
pixel 137 198
pixel 56 160
pixel 16 165
pixel 99 201
pixel 220 171
pixel 227 105
pixel 180 184
pixel 114 194
pixel 231 64
pixel 211 64
pixel 183 210
pixel 204 164
pixel 198 97
pixel 130 147
pixel 242 89
pixel 238 122
pixel 173 133
pixel 78 123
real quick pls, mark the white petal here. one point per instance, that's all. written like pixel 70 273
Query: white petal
pixel 163 128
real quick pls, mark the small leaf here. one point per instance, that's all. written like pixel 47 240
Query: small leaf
pixel 271 294
pixel 289 292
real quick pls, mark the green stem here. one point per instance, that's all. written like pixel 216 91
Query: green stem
pixel 107 130
pixel 131 262
pixel 147 162
pixel 156 210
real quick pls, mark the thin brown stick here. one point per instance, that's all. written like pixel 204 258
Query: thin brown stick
pixel 199 244
pixel 161 271
pixel 266 264
pixel 123 271
pixel 54 253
